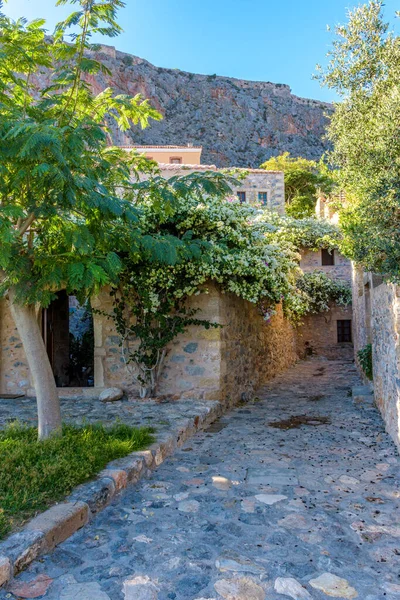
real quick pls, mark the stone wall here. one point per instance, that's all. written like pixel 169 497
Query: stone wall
pixel 14 372
pixel 226 363
pixel 312 261
pixel 318 335
pixel 257 180
pixel 271 182
pixel 253 351
pixel 376 308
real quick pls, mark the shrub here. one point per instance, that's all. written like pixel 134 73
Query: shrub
pixel 314 293
pixel 214 239
pixel 365 359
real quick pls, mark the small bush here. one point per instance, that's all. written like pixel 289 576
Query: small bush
pixel 35 474
pixel 365 359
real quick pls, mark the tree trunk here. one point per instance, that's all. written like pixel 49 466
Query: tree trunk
pixel 48 404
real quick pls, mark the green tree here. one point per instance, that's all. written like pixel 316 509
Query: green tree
pixel 364 69
pixel 67 198
pixel 60 185
pixel 304 180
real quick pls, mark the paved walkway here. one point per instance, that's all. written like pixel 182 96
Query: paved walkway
pixel 308 508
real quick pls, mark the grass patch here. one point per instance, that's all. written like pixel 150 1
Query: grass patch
pixel 34 475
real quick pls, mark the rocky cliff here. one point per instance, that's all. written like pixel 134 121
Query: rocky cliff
pixel 238 123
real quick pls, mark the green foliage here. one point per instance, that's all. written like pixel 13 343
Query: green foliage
pixel 364 69
pixel 61 186
pixel 301 207
pixel 35 474
pixel 321 290
pixel 304 180
pixel 310 233
pixel 365 359
pixel 215 240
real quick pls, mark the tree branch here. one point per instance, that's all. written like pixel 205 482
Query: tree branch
pixel 26 224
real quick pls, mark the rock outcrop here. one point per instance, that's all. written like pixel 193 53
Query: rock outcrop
pixel 238 123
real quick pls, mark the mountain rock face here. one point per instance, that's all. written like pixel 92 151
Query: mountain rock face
pixel 238 123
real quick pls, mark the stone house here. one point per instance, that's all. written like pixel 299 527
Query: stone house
pixel 265 188
pixel 174 155
pixel 227 363
pixel 327 334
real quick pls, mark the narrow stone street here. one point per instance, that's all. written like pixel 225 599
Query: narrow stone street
pixel 295 494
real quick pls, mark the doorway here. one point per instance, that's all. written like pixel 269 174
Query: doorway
pixel 67 329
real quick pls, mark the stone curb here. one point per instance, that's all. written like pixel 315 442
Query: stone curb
pixel 59 522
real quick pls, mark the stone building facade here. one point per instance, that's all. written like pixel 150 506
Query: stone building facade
pixel 327 334
pixel 261 187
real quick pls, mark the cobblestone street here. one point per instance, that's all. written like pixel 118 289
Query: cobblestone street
pixel 261 506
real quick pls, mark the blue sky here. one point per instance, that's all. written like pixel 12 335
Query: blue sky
pixel 268 40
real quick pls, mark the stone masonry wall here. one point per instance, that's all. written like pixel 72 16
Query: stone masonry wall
pixel 257 180
pixel 253 351
pixel 267 181
pixel 376 308
pixel 225 364
pixel 318 335
pixel 14 372
pixel 312 261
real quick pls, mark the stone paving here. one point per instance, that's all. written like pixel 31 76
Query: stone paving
pixel 308 509
pixel 149 413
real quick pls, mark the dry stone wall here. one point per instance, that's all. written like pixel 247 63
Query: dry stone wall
pixel 226 363
pixel 376 308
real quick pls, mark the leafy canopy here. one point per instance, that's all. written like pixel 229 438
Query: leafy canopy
pixel 304 179
pixel 364 69
pixel 61 185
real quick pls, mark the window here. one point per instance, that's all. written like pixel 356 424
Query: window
pixel 263 198
pixel 343 331
pixel 242 197
pixel 327 258
pixel 175 160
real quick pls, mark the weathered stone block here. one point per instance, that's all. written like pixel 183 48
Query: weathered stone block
pixel 96 494
pixel 22 548
pixel 111 394
pixel 119 476
pixel 147 455
pixel 131 465
pixel 140 588
pixel 5 570
pixel 59 522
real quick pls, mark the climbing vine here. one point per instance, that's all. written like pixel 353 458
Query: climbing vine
pixel 213 240
pixel 244 250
